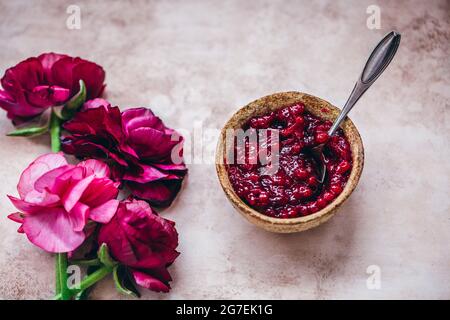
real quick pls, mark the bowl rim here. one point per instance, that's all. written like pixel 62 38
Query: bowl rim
pixel 325 213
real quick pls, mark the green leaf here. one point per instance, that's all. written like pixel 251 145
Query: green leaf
pixel 30 131
pixel 124 282
pixel 104 257
pixel 74 103
pixel 57 110
pixel 36 127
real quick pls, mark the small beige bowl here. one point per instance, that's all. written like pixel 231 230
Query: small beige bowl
pixel 317 107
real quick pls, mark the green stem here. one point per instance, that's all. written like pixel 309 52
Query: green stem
pixel 88 263
pixel 92 279
pixel 61 276
pixel 55 132
pixel 87 282
pixel 61 258
pixel 62 290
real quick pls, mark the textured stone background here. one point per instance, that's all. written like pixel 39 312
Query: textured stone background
pixel 201 60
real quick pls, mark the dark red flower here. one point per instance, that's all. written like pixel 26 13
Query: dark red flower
pixel 51 79
pixel 142 241
pixel 144 154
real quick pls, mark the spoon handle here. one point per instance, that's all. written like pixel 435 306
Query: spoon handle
pixel 379 59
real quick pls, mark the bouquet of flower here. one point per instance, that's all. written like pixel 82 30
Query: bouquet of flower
pixel 73 209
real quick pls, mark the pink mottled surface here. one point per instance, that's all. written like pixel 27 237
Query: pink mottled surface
pixel 195 61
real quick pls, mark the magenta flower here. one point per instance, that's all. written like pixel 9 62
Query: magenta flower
pixel 57 199
pixel 51 79
pixel 142 241
pixel 144 153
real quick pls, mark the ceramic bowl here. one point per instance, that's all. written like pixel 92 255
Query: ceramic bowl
pixel 316 106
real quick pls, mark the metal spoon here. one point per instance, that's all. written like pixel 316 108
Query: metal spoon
pixel 379 59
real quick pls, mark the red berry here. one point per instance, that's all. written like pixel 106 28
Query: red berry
pixel 296 148
pixel 312 207
pixel 297 109
pixel 286 132
pixel 278 180
pixel 263 198
pixel 253 177
pixel 261 122
pixel 283 200
pixel 284 214
pixel 321 203
pixel 336 189
pixel 312 181
pixel 299 134
pixel 251 199
pixel 292 213
pixel 303 192
pixel 299 121
pixel 284 114
pixel 321 137
pixel 328 196
pixel 301 173
pixel 343 167
pixel 323 127
pixel 303 210
pixel 253 123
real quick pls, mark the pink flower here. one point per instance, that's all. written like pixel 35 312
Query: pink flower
pixel 51 79
pixel 95 103
pixel 57 199
pixel 145 154
pixel 143 241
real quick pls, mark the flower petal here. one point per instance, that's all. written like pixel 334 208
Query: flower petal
pixel 104 212
pixel 16 82
pixel 95 103
pixel 61 73
pixel 79 216
pixel 25 75
pixel 16 217
pixel 148 173
pixel 48 200
pixel 47 96
pixel 170 166
pixel 104 121
pixel 75 191
pixel 147 281
pixel 8 104
pixel 93 76
pixel 36 169
pixel 84 148
pixel 159 193
pixel 98 168
pixel 47 61
pixel 52 231
pixel 100 191
pixel 66 179
pixel 47 180
pixel 135 118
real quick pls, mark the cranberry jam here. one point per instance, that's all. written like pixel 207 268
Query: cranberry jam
pixel 293 191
